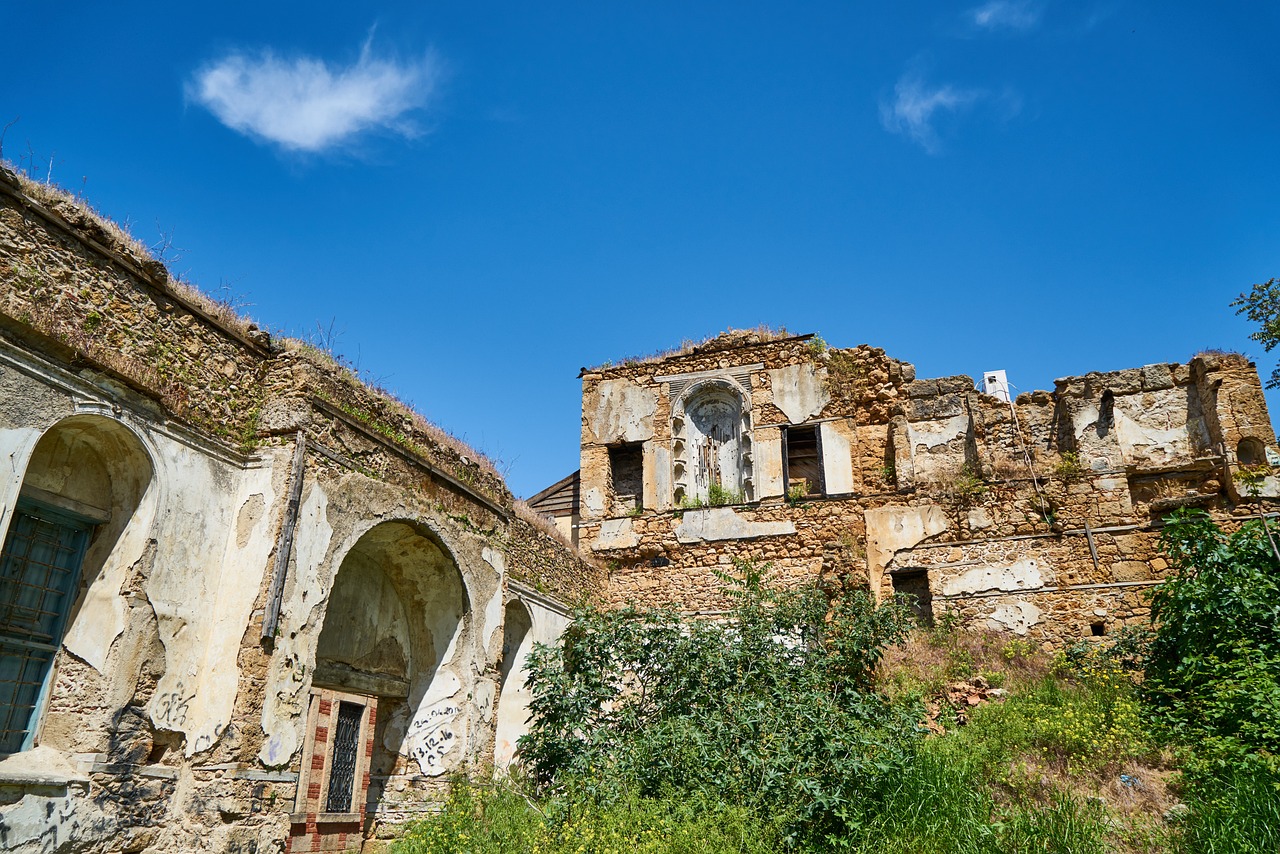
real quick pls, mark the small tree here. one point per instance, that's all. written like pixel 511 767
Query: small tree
pixel 1262 306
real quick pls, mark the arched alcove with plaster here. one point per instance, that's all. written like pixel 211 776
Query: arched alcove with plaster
pixel 393 619
pixel 514 696
pixel 712 442
pixel 78 531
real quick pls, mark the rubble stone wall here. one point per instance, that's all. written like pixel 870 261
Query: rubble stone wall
pixel 1038 516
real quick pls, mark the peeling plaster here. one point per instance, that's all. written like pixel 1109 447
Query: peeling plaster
pixel 722 523
pixel 620 411
pixel 103 615
pixel 492 621
pixel 837 459
pixel 891 529
pixel 1016 617
pixel 285 700
pixel 767 464
pixel 1023 575
pixel 800 391
pixel 615 534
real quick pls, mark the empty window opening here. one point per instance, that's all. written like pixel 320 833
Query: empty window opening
pixel 1097 630
pixel 39 576
pixel 914 585
pixel 346 745
pixel 803 460
pixel 1251 452
pixel 626 469
pixel 1106 412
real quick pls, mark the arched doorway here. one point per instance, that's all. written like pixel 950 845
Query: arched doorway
pixel 81 489
pixel 392 619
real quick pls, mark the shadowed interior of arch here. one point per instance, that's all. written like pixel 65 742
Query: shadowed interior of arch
pixel 395 611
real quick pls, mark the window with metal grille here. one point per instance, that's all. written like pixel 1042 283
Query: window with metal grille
pixel 39 571
pixel 346 751
pixel 803 460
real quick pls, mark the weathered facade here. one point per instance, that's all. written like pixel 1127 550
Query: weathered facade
pixel 246 602
pixel 1038 515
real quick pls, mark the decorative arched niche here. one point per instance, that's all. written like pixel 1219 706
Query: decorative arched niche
pixel 393 618
pixel 61 572
pixel 711 437
pixel 514 696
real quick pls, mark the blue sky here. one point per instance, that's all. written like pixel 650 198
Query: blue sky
pixel 480 198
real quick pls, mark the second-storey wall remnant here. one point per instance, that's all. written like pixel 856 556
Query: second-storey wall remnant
pixel 1037 515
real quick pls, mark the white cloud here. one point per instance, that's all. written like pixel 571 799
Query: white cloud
pixel 915 105
pixel 307 104
pixel 1005 14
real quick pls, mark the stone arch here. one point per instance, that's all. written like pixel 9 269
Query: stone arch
pixel 74 533
pixel 394 616
pixel 513 696
pixel 713 440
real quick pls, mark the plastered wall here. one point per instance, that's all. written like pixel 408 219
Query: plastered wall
pixel 168 721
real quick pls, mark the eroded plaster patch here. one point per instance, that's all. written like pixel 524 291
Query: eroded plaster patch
pixel 722 523
pixel 285 701
pixel 621 411
pixel 615 534
pixel 438 730
pixel 1022 575
pixel 800 391
pixel 1016 617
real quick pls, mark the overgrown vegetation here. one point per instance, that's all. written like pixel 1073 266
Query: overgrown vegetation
pixel 805 723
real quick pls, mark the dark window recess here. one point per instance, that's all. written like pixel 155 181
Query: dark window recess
pixel 804 460
pixel 1098 629
pixel 626 469
pixel 915 585
pixel 1251 452
pixel 346 747
pixel 1106 412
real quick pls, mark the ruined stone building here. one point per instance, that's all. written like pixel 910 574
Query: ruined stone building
pixel 1038 515
pixel 246 602
pixel 249 604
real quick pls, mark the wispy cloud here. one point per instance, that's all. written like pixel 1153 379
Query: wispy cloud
pixel 915 105
pixel 306 104
pixel 1005 15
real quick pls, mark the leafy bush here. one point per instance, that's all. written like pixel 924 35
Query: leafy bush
pixel 770 708
pixel 1213 677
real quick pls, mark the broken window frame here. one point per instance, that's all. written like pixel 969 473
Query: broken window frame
pixel 817 486
pixel 620 453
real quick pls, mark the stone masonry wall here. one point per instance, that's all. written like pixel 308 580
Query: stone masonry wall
pixel 993 502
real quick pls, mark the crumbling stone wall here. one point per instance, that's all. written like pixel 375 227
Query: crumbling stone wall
pixel 171 722
pixel 1038 516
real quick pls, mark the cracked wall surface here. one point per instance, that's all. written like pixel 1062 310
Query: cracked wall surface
pixel 133 411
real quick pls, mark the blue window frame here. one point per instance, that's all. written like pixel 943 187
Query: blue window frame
pixel 39 575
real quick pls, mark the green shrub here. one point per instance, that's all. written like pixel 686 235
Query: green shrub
pixel 1213 677
pixel 771 708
